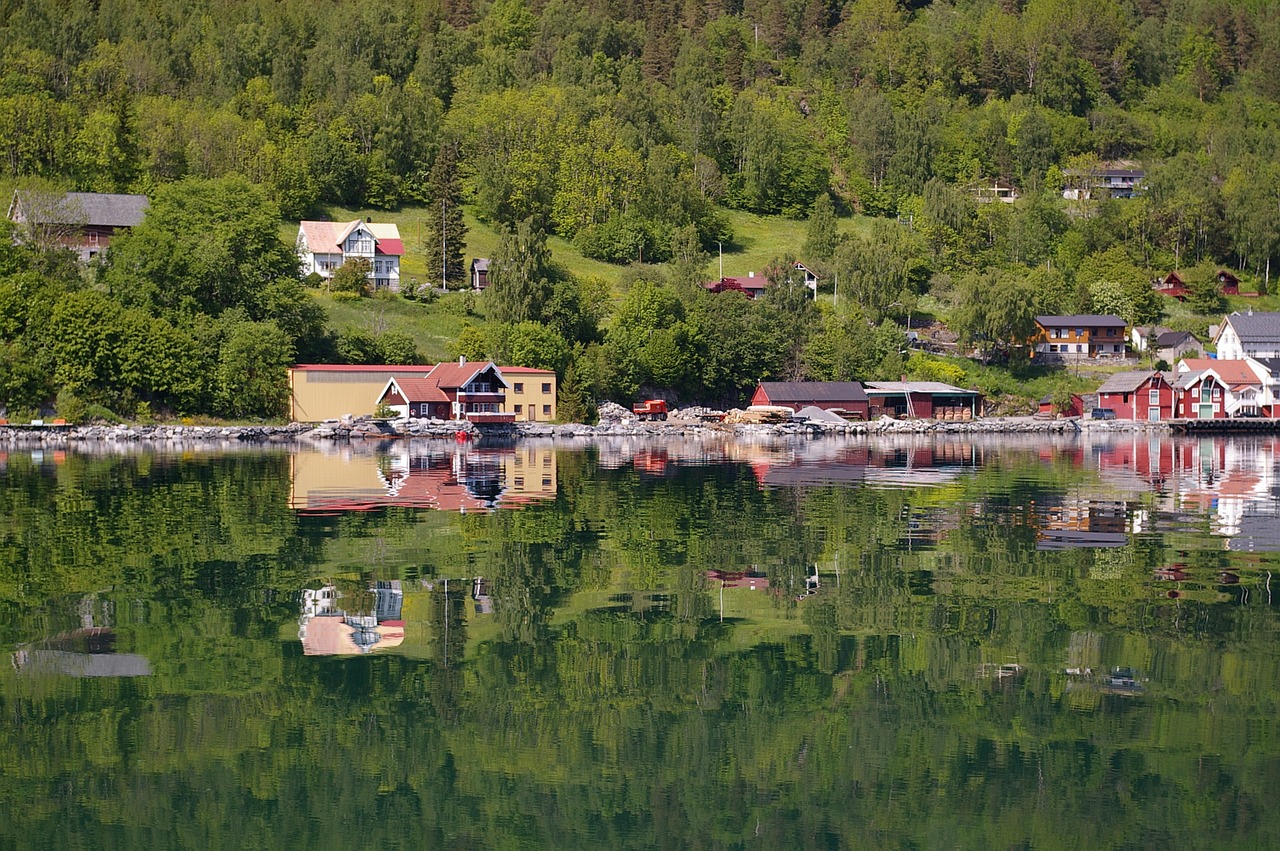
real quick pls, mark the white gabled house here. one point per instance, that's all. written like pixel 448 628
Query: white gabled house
pixel 1248 335
pixel 324 246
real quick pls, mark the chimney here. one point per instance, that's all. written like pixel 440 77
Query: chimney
pixel 751 274
pixel 462 360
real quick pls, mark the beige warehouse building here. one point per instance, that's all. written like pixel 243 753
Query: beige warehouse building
pixel 320 392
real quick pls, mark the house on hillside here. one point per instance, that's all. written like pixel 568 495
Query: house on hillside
pixel 324 246
pixel 1114 180
pixel 1172 286
pixel 480 273
pixel 1229 283
pixel 1078 337
pixel 1169 344
pixel 989 191
pixel 752 286
pixel 1139 395
pixel 1248 335
pixel 451 391
pixel 84 222
pixel 846 396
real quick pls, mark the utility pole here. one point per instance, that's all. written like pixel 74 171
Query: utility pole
pixel 721 247
pixel 444 250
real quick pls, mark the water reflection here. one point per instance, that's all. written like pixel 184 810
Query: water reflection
pixel 900 643
pixel 406 474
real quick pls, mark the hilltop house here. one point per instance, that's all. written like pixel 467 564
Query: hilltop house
pixel 81 221
pixel 480 274
pixel 1113 180
pixel 324 246
pixel 1248 335
pixel 1079 336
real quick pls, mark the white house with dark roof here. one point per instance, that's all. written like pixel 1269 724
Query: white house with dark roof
pixel 324 246
pixel 1248 335
pixel 82 221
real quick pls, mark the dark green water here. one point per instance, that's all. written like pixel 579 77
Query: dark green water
pixel 1001 644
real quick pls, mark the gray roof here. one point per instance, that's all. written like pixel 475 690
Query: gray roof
pixel 813 391
pixel 1256 327
pixel 883 387
pixel 480 264
pixel 1169 339
pixel 1271 365
pixel 1083 320
pixel 1126 382
pixel 93 208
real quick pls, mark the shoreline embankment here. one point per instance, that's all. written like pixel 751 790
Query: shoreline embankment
pixel 366 428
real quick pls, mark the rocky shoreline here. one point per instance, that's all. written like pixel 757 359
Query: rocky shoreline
pixel 363 428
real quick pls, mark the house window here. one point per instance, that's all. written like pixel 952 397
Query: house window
pixel 519 481
pixel 1217 392
pixel 1079 332
pixel 1053 335
pixel 546 387
pixel 546 481
pixel 519 386
pixel 519 410
pixel 93 237
pixel 546 410
pixel 1053 347
pixel 1153 397
pixel 1079 348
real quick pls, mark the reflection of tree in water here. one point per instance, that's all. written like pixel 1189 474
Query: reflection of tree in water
pixel 448 625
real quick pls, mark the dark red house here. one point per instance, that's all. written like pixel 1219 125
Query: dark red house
pixel 828 395
pixel 451 391
pixel 1201 395
pixel 1139 395
pixel 1173 286
pixel 1230 283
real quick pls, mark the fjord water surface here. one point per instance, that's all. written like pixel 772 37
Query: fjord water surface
pixel 965 643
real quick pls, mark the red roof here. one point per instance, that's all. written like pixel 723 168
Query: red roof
pixel 390 246
pixel 1233 372
pixel 455 375
pixel 348 367
pixel 417 390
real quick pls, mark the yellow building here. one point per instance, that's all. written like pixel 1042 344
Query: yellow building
pixel 320 392
pixel 325 391
pixel 532 393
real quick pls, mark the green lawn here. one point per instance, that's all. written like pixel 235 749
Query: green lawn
pixel 432 327
pixel 756 241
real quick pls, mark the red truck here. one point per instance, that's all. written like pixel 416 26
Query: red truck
pixel 653 409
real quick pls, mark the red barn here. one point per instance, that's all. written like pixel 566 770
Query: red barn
pixel 827 395
pixel 1139 395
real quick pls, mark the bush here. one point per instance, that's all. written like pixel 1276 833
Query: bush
pixel 71 407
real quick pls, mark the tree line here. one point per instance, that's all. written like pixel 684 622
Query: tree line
pixel 630 129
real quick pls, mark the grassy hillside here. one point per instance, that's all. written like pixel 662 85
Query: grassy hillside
pixel 757 240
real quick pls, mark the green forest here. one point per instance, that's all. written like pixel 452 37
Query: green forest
pixel 632 134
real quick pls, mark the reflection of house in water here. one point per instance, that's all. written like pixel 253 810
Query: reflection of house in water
pixel 1083 522
pixel 88 652
pixel 480 594
pixel 912 464
pixel 464 479
pixel 326 629
pixel 1227 479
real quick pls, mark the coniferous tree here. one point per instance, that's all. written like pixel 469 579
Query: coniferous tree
pixel 445 233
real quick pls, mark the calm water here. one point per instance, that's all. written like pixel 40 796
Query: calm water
pixel 994 644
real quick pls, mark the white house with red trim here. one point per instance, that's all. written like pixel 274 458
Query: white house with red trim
pixel 324 246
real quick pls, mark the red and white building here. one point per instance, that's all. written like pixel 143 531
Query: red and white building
pixel 323 247
pixel 1139 395
pixel 451 391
